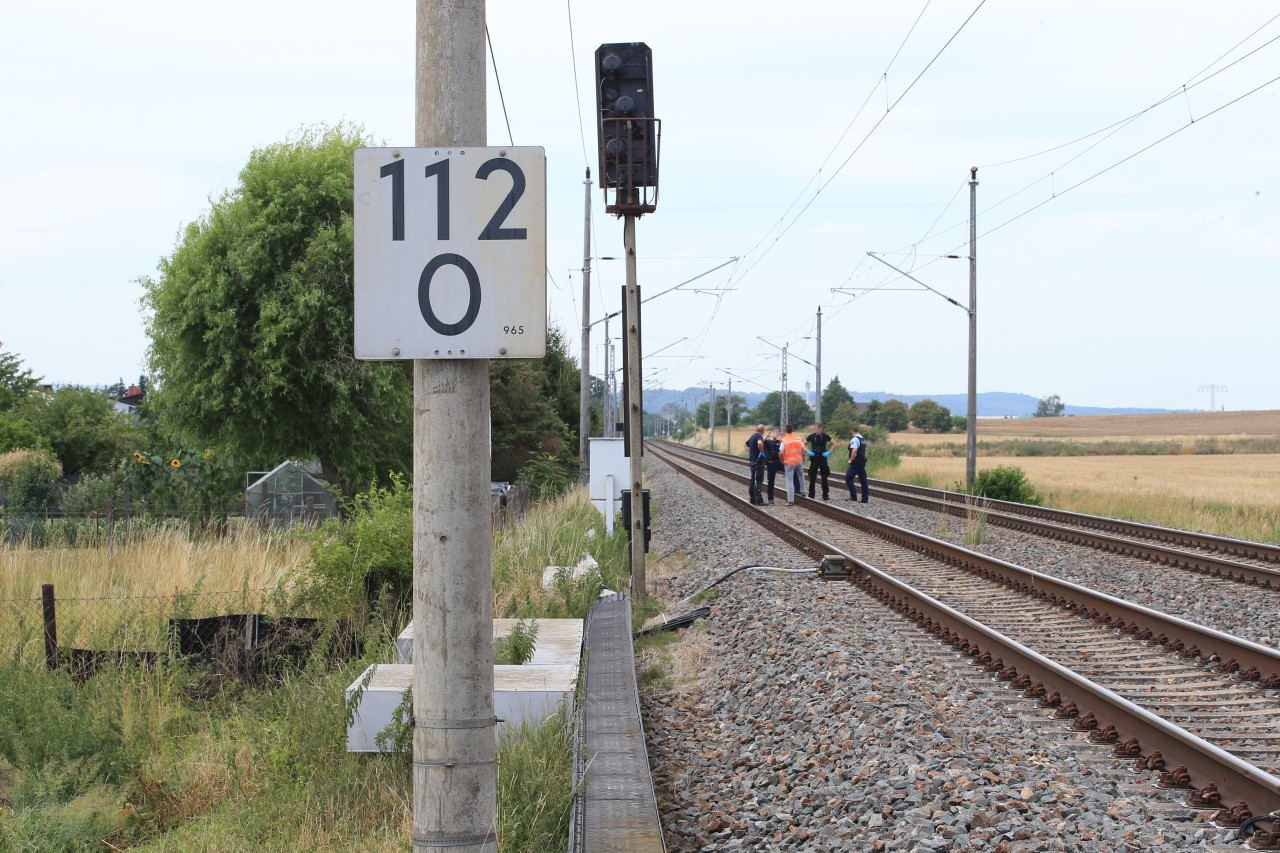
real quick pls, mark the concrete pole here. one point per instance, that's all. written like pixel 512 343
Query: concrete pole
pixel 635 423
pixel 584 386
pixel 606 410
pixel 455 778
pixel 711 419
pixel 728 418
pixel 784 410
pixel 971 443
pixel 817 396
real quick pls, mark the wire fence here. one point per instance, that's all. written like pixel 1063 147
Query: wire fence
pixel 240 634
pixel 240 631
pixel 114 521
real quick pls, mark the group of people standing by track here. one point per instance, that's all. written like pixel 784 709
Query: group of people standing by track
pixel 771 452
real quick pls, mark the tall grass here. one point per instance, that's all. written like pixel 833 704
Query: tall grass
pixel 555 533
pixel 149 758
pixel 165 561
pixel 122 598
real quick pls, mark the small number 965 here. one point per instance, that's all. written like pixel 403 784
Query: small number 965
pixel 513 330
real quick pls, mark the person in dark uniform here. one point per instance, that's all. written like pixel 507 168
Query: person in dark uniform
pixel 758 457
pixel 819 449
pixel 857 465
pixel 772 458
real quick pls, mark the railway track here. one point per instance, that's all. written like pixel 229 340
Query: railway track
pixel 1253 563
pixel 1193 706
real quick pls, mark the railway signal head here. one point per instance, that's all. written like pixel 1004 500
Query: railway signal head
pixel 627 130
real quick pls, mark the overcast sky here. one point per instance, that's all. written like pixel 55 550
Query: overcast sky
pixel 1127 240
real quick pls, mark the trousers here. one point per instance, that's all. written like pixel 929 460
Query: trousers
pixel 818 466
pixel 757 480
pixel 856 470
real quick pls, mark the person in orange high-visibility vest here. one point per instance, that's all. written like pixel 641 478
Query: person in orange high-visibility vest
pixel 792 462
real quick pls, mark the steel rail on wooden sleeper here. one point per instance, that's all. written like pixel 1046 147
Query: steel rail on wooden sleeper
pixel 1217 774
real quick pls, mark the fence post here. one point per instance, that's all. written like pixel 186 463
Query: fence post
pixel 50 627
pixel 111 527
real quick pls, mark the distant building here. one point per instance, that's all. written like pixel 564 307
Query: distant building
pixel 128 402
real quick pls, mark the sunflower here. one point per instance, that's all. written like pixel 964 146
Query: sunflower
pixel 174 463
pixel 137 457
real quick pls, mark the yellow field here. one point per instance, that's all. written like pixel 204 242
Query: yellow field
pixel 1187 427
pixel 1232 495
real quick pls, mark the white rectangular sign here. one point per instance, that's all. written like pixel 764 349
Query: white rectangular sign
pixel 450 253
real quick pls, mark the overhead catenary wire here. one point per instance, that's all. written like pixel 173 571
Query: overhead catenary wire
pixel 822 186
pixel 493 62
pixel 577 94
pixel 1195 80
pixel 1055 193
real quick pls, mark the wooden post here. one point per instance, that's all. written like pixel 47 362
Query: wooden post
pixel 50 627
pixel 635 421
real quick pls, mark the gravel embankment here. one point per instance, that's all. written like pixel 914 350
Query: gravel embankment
pixel 823 722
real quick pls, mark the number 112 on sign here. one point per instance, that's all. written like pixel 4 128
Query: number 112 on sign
pixel 450 253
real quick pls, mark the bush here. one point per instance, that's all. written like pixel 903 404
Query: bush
pixel 374 537
pixel 1004 483
pixel 548 476
pixel 28 481
pixel 89 496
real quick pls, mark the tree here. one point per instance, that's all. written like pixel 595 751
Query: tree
pixel 531 406
pixel 19 434
pixel 843 421
pixel 769 411
pixel 833 397
pixel 83 428
pixel 561 382
pixel 251 324
pixel 930 416
pixel 1049 407
pixel 872 412
pixel 892 416
pixel 16 382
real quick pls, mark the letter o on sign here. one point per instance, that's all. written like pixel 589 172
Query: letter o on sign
pixel 473 294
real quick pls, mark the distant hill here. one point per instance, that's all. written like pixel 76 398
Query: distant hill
pixel 991 404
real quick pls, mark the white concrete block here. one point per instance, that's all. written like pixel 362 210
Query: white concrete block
pixel 559 641
pixel 520 694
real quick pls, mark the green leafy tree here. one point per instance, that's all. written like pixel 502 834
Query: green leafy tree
pixel 19 434
pixel 82 427
pixel 16 382
pixel 561 382
pixel 251 323
pixel 525 426
pixel 833 397
pixel 769 411
pixel 892 416
pixel 872 412
pixel 1049 407
pixel 930 416
pixel 843 421
pixel 959 423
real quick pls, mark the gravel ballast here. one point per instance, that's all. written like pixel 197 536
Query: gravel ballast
pixel 821 721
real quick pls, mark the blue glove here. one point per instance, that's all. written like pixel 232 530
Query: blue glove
pixel 761 455
pixel 810 452
pixel 828 453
